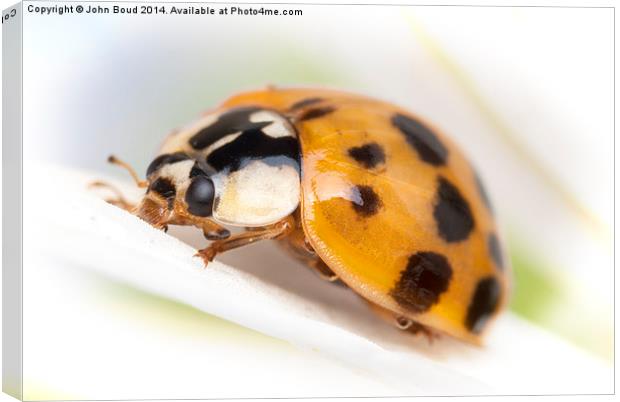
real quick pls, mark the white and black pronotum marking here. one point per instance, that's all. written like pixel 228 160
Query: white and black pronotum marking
pixel 241 167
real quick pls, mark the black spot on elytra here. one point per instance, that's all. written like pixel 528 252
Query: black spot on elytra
pixel 254 144
pixel 368 155
pixel 316 113
pixel 165 159
pixel 495 250
pixel 422 139
pixel 483 304
pixel 367 202
pixel 199 196
pixel 165 188
pixel 483 193
pixel 233 121
pixel 452 213
pixel 422 282
pixel 305 102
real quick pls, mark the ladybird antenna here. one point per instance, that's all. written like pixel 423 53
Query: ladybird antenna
pixel 115 161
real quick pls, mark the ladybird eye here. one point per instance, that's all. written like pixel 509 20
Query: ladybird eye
pixel 199 196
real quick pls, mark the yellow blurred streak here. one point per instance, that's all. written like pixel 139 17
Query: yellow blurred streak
pixel 36 390
pixel 599 229
pixel 145 309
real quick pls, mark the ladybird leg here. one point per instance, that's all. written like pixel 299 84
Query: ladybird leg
pixel 274 231
pixel 210 229
pixel 119 201
pixel 297 244
pixel 319 266
pixel 404 323
pixel 213 231
pixel 324 271
pixel 415 328
pixel 316 264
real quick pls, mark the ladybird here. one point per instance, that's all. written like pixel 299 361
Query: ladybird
pixel 362 191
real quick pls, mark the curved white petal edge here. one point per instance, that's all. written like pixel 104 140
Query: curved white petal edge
pixel 292 304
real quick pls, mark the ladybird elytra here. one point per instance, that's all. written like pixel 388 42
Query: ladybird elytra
pixel 359 189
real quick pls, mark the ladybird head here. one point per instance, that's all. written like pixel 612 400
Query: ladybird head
pixel 178 189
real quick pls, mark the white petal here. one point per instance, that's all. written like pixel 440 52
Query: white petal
pixel 278 297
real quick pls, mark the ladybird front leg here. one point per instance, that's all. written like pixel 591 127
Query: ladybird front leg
pixel 213 231
pixel 210 229
pixel 120 201
pixel 275 231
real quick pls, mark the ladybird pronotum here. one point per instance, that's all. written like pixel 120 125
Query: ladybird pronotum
pixel 358 189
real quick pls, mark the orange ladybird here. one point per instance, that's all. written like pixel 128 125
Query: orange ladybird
pixel 362 191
